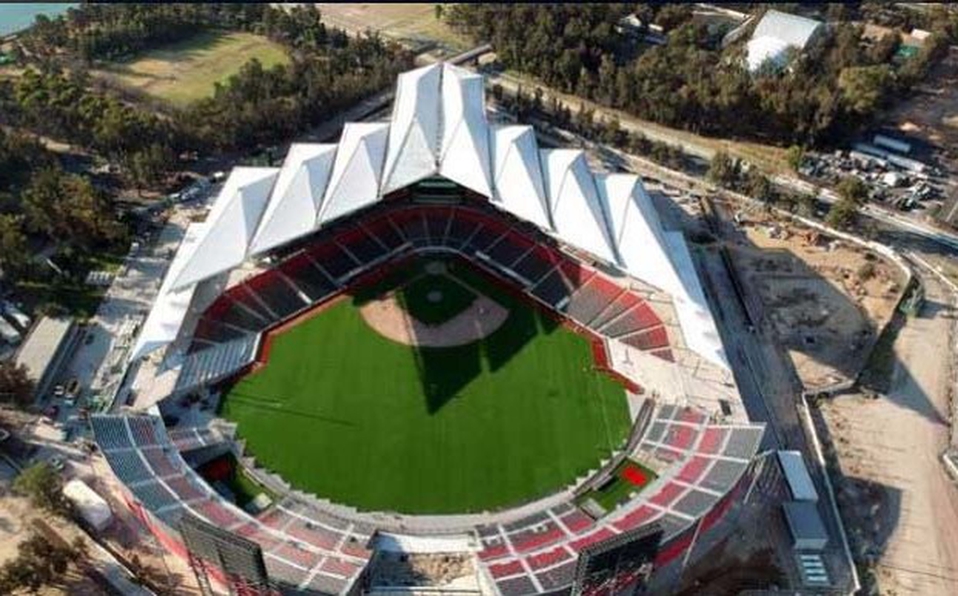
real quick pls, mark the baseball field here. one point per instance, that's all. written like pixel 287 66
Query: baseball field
pixel 344 412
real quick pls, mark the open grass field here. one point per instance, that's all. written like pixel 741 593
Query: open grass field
pixel 184 72
pixel 409 23
pixel 349 415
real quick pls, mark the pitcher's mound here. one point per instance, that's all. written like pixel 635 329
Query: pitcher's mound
pixel 482 318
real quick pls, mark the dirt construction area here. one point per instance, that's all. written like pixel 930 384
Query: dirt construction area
pixel 899 506
pixel 827 299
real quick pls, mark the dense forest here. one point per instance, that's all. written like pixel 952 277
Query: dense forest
pixel 690 82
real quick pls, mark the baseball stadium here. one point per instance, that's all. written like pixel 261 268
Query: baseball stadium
pixel 432 356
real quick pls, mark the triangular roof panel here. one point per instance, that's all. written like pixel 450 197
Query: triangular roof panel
pixel 517 175
pixel 354 182
pixel 637 231
pixel 576 210
pixel 169 310
pixel 413 149
pixel 296 197
pixel 465 143
pixel 230 225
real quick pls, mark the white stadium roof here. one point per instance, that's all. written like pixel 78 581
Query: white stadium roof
pixel 354 182
pixel 577 212
pixel 230 227
pixel 297 193
pixel 438 128
pixel 518 176
pixel 166 317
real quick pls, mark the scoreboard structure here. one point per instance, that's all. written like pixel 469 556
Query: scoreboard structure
pixel 231 559
pixel 619 566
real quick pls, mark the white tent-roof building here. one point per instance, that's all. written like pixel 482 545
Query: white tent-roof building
pixel 776 34
pixel 438 128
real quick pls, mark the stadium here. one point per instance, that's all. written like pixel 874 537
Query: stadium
pixel 445 358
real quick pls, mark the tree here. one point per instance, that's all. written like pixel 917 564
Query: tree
pixel 723 170
pixel 794 156
pixel 68 209
pixel 41 483
pixel 853 190
pixel 13 245
pixel 842 215
pixel 864 88
pixel 758 186
pixel 39 562
pixel 15 384
pixel 437 10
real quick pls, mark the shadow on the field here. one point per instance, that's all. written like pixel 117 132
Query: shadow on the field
pixel 444 372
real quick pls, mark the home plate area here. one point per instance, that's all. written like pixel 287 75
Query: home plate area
pixel 436 305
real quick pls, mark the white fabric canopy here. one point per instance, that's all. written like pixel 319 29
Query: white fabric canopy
pixel 465 140
pixel 296 197
pixel 518 176
pixel 577 212
pixel 413 149
pixel 231 224
pixel 354 182
pixel 695 317
pixel 637 231
pixel 163 323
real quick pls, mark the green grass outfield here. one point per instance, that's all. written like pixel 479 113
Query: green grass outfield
pixel 349 415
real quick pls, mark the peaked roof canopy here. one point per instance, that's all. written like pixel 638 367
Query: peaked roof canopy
pixel 438 128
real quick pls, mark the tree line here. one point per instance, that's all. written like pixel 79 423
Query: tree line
pixel 691 82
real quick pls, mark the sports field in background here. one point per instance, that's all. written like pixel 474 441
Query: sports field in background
pixel 351 416
pixel 186 71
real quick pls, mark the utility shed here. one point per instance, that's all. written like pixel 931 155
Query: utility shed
pixel 805 525
pixel 45 349
pixel 799 481
pixel 91 506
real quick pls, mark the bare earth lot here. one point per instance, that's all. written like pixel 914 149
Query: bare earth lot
pixel 897 501
pixel 826 298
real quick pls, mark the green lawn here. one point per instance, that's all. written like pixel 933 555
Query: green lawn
pixel 351 416
pixel 186 71
pixel 618 489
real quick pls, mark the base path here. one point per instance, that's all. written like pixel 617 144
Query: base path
pixel 482 318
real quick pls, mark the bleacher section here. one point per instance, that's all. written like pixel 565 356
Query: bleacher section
pixel 301 547
pixel 537 554
pixel 216 363
pixel 699 465
pixel 517 254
